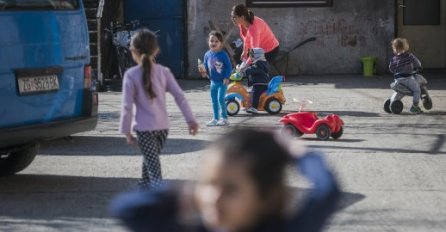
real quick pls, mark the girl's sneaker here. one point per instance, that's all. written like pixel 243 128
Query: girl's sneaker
pixel 213 122
pixel 223 122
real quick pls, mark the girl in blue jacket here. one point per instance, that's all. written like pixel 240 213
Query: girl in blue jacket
pixel 218 69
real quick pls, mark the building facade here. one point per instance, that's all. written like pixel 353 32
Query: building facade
pixel 345 31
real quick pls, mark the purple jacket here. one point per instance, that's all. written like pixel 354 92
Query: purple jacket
pixel 150 114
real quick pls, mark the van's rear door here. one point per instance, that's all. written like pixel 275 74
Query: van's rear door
pixel 43 53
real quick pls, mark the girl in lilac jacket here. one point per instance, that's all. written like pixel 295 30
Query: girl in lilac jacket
pixel 144 88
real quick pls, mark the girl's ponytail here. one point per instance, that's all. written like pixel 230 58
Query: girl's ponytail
pixel 145 43
pixel 147 75
pixel 250 17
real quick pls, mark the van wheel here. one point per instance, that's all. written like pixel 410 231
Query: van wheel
pixel 273 106
pixel 15 161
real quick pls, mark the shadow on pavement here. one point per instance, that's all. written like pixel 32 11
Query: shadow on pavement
pixel 349 113
pixel 349 199
pixel 340 140
pixel 436 81
pixel 319 113
pixel 109 146
pixel 50 197
pixel 194 85
pixel 425 113
pixel 435 149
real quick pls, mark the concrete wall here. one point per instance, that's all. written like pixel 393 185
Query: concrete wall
pixel 345 32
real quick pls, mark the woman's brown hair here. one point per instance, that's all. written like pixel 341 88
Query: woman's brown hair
pixel 240 10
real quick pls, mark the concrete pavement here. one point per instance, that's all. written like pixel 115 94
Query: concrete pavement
pixel 391 167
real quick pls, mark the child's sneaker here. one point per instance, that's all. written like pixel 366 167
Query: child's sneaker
pixel 223 122
pixel 416 109
pixel 252 110
pixel 213 122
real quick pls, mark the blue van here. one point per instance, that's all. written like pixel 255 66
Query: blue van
pixel 46 88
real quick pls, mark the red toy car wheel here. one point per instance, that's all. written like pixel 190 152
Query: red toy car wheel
pixel 323 132
pixel 337 135
pixel 291 130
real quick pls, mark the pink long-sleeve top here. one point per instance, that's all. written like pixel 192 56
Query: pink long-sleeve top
pixel 150 114
pixel 258 35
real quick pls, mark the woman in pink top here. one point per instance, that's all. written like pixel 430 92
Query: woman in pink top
pixel 144 89
pixel 255 33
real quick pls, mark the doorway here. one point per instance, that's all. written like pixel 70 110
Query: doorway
pixel 166 18
pixel 423 23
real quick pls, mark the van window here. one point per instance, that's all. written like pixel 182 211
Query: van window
pixel 38 4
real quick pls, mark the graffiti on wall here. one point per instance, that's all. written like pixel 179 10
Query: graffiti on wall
pixel 347 33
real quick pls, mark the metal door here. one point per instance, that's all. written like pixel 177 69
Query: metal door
pixel 167 19
pixel 423 23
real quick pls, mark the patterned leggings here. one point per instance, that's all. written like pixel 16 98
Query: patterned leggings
pixel 151 143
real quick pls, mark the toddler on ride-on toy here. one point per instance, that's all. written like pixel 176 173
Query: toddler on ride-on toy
pixel 258 77
pixel 395 105
pixel 402 66
pixel 265 95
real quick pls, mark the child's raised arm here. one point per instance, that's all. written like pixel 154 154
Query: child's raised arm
pixel 323 197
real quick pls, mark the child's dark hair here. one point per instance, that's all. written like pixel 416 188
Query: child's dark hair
pixel 240 10
pixel 265 157
pixel 217 34
pixel 145 43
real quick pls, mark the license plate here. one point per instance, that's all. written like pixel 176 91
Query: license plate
pixel 38 84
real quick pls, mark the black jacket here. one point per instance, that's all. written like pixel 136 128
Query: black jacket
pixel 258 73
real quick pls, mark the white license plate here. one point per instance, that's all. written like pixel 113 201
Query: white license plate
pixel 37 84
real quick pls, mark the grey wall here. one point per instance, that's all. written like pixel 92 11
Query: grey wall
pixel 345 32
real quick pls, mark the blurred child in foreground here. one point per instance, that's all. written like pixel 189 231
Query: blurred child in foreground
pixel 241 189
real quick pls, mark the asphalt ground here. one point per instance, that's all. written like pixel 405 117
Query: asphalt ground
pixel 392 168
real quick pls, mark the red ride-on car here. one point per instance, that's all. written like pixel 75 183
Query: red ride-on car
pixel 300 123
